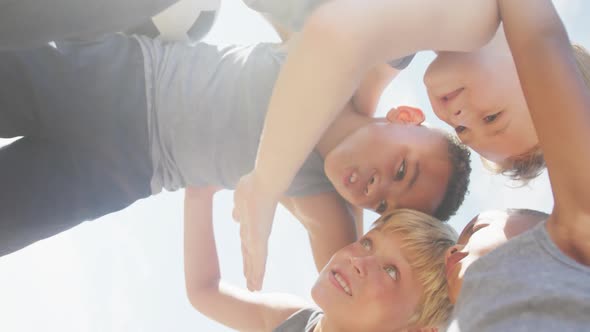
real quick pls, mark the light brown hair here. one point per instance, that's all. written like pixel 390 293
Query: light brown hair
pixel 529 165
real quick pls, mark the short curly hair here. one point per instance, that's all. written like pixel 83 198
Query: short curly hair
pixel 457 187
pixel 527 166
pixel 424 242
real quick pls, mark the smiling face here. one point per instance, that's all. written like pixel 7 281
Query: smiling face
pixel 383 166
pixel 482 234
pixel 368 285
pixel 479 95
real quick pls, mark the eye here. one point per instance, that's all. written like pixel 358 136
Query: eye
pixel 401 172
pixel 382 207
pixel 366 243
pixel 460 129
pixel 391 270
pixel 491 118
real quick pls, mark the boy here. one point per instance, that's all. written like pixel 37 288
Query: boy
pixel 538 265
pixel 111 121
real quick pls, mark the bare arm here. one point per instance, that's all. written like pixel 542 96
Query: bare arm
pixel 341 41
pixel 559 102
pixel 329 223
pixel 367 95
pixel 232 306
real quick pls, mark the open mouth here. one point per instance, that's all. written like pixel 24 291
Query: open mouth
pixel 342 283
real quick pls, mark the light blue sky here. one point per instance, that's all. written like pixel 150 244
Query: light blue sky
pixel 124 272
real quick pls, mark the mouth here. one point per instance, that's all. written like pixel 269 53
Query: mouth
pixel 451 95
pixel 338 280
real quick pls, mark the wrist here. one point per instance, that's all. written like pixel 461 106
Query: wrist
pixel 268 184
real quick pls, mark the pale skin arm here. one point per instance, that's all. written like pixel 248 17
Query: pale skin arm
pixel 329 223
pixel 367 95
pixel 232 306
pixel 340 42
pixel 559 102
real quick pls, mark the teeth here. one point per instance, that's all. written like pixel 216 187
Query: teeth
pixel 353 177
pixel 342 283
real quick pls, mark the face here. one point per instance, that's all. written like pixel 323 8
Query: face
pixel 479 95
pixel 482 234
pixel 385 165
pixel 368 285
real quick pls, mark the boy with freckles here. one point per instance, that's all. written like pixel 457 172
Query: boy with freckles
pixel 522 270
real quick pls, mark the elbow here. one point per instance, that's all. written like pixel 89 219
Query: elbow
pixel 459 31
pixel 194 297
pixel 333 35
pixel 198 295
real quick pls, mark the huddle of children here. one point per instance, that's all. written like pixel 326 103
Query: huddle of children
pixel 160 115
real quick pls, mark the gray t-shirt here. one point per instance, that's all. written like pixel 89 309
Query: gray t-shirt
pixel 527 284
pixel 303 320
pixel 206 109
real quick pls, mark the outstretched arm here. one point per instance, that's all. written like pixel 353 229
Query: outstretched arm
pixel 329 223
pixel 559 102
pixel 371 87
pixel 232 306
pixel 340 42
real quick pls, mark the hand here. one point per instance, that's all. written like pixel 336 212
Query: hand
pixel 254 209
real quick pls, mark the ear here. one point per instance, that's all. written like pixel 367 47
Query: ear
pixel 406 115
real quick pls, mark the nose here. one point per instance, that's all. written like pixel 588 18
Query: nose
pixel 360 264
pixel 462 117
pixel 374 184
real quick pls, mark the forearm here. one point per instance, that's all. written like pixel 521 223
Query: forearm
pixel 229 305
pixel 367 96
pixel 559 102
pixel 557 96
pixel 201 265
pixel 328 220
pixel 341 41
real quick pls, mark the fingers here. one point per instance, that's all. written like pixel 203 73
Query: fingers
pixel 257 269
pixel 254 252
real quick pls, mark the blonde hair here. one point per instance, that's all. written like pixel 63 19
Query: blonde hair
pixel 529 165
pixel 425 241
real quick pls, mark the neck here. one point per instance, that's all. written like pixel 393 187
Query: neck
pixel 345 124
pixel 325 325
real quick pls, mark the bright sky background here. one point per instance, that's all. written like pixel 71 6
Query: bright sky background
pixel 124 272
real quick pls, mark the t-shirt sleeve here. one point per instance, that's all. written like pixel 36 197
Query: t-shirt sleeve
pixel 310 179
pixel 290 14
